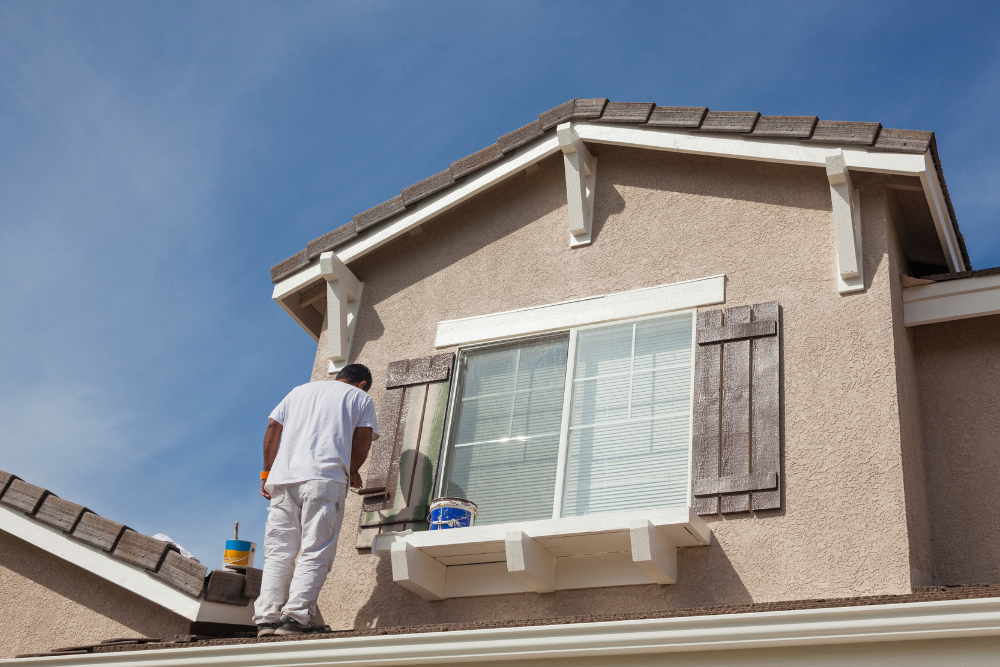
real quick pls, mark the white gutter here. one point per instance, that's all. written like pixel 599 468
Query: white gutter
pixel 957 299
pixel 811 627
pixel 118 572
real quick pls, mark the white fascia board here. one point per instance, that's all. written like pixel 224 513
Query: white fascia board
pixel 96 561
pixel 286 295
pixel 951 300
pixel 915 621
pixel 785 151
pixel 453 196
pixel 943 223
pixel 582 312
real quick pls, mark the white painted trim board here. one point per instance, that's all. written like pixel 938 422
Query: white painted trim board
pixel 582 312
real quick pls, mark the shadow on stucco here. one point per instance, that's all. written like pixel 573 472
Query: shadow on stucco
pixel 64 588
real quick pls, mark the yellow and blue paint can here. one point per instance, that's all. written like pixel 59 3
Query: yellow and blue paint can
pixel 239 553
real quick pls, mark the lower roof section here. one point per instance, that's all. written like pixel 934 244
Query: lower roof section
pixel 931 626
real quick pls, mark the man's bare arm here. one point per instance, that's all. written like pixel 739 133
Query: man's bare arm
pixel 272 440
pixel 360 446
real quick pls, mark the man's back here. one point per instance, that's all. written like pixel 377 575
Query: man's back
pixel 318 421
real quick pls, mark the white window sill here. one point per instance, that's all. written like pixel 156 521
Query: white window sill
pixel 619 549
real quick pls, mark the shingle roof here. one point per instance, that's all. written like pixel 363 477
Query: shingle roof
pixel 918 594
pixel 160 559
pixel 810 129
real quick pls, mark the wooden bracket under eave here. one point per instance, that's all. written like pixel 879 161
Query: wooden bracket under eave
pixel 581 179
pixel 343 299
pixel 846 225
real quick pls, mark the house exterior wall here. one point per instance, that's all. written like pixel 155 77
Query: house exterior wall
pixel 911 433
pixel 49 603
pixel 958 365
pixel 661 218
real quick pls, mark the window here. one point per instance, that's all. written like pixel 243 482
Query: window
pixel 593 420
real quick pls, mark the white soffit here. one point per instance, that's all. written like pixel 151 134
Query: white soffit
pixel 640 642
pixel 951 300
pixel 582 312
pixel 98 562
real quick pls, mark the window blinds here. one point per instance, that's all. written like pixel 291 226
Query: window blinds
pixel 630 414
pixel 505 429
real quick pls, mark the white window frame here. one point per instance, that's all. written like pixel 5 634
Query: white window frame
pixel 564 427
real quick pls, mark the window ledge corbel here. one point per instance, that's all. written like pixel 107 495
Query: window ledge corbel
pixel 618 549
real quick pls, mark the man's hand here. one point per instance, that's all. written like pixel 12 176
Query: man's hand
pixel 356 480
pixel 262 491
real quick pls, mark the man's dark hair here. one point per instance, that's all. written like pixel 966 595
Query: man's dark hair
pixel 355 373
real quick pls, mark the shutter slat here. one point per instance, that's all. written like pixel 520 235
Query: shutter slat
pixel 735 431
pixel 705 430
pixel 384 502
pixel 388 421
pixel 765 437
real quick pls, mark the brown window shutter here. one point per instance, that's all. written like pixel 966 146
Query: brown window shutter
pixel 736 431
pixel 397 492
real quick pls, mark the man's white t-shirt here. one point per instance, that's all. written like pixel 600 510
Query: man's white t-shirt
pixel 318 421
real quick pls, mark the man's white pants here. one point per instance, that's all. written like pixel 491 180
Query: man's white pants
pixel 303 520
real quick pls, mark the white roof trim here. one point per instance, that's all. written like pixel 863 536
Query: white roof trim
pixel 619 639
pixel 784 151
pixel 118 572
pixel 957 299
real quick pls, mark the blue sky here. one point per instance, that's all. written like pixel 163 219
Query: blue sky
pixel 156 159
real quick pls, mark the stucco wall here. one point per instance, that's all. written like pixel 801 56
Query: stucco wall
pixel 662 218
pixel 959 366
pixel 911 435
pixel 47 603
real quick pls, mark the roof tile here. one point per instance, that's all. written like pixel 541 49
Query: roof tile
pixel 377 214
pixel 23 496
pixel 589 108
pixel 331 240
pixel 5 479
pixel 521 136
pixel 627 112
pixel 729 121
pixel 796 127
pixel 142 550
pixel 903 141
pixel 556 115
pixel 427 187
pixel 59 513
pixel 98 531
pixel 187 574
pixel 286 268
pixel 476 161
pixel 845 132
pixel 690 117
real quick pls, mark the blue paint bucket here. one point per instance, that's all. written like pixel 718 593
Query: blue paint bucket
pixel 239 554
pixel 452 513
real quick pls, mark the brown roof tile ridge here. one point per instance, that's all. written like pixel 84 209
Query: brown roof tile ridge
pixel 160 559
pixel 872 136
pixel 918 595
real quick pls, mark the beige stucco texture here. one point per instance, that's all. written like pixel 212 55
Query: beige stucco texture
pixel 662 218
pixel 48 603
pixel 959 367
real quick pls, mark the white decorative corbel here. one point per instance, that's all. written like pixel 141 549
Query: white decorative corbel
pixel 530 562
pixel 343 298
pixel 652 552
pixel 581 177
pixel 846 224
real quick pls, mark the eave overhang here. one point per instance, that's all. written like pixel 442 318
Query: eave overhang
pixel 778 150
